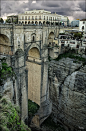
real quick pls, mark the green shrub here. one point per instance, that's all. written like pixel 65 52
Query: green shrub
pixel 6 72
pixel 72 55
pixel 32 107
pixel 10 117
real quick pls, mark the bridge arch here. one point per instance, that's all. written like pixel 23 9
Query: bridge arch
pixel 34 52
pixel 33 64
pixel 5 45
pixel 51 35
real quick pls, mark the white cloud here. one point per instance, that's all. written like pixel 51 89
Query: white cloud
pixel 34 2
pixel 73 9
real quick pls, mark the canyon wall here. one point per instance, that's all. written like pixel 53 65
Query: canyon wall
pixel 67 86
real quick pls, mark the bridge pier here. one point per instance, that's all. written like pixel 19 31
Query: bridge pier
pixel 20 87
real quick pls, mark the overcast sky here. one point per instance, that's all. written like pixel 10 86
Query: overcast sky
pixel 74 9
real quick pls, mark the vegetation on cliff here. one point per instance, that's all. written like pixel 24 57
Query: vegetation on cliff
pixel 70 54
pixel 5 71
pixel 32 107
pixel 10 117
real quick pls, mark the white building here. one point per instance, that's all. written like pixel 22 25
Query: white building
pixel 82 25
pixel 75 23
pixel 40 17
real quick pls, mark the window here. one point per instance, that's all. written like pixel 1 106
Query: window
pixel 47 17
pixel 83 22
pixel 32 17
pixel 29 17
pixel 82 27
pixel 39 17
pixel 33 38
pixel 44 17
pixel 25 17
pixel 35 17
pixel 22 17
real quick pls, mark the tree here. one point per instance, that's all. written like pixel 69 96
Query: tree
pixel 8 21
pixel 78 35
pixel 15 21
pixel 1 20
pixel 47 22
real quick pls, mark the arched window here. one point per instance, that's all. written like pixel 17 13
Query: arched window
pixel 32 17
pixel 82 27
pixel 33 38
pixel 25 17
pixel 22 17
pixel 39 17
pixel 47 17
pixel 35 17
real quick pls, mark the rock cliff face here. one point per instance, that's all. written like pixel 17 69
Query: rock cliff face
pixel 67 85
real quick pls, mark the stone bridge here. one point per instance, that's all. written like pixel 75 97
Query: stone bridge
pixel 27 47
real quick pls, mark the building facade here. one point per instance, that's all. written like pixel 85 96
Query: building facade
pixel 75 23
pixel 13 18
pixel 82 25
pixel 40 17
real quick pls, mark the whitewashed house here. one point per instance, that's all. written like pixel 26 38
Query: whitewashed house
pixel 82 25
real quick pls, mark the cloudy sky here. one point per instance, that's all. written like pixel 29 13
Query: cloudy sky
pixel 74 9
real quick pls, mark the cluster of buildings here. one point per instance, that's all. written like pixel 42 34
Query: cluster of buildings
pixel 40 17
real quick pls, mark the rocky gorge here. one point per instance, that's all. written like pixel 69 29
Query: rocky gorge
pixel 67 90
pixel 67 93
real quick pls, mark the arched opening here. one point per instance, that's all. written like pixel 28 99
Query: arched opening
pixel 5 45
pixel 32 22
pixel 36 22
pixel 33 38
pixel 82 28
pixel 51 35
pixel 43 22
pixel 34 75
pixel 34 52
pixel 51 44
pixel 52 23
pixel 25 22
pixel 28 22
pixel 47 23
pixel 39 22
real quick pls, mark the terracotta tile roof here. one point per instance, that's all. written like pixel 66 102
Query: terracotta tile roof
pixel 83 20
